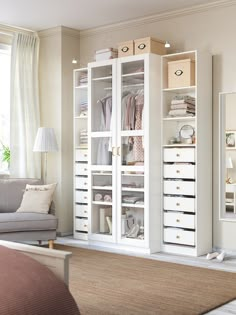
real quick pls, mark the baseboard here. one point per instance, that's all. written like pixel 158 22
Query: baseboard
pixel 61 234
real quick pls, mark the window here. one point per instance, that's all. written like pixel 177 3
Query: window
pixel 5 69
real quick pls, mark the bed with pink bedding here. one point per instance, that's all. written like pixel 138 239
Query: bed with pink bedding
pixel 29 288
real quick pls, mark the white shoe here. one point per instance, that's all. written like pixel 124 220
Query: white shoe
pixel 221 256
pixel 212 255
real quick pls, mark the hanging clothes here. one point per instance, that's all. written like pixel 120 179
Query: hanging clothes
pixel 138 142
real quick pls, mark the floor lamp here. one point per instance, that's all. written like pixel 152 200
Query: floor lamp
pixel 45 142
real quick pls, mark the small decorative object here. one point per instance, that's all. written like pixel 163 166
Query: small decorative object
pixel 6 154
pixel 228 165
pixel 230 139
pixel 186 134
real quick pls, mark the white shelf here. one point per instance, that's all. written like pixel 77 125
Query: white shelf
pixel 101 134
pixel 102 187
pixel 133 175
pixel 81 117
pixel 132 205
pixel 132 189
pixel 181 90
pixel 132 168
pixel 101 168
pixel 102 203
pixel 133 85
pixel 81 147
pixel 133 74
pixel 101 174
pixel 81 87
pixel 178 145
pixel 188 118
pixel 132 133
pixel 108 78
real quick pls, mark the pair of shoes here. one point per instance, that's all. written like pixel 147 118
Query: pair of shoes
pixel 219 256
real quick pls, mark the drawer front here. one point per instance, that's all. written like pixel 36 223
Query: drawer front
pixel 81 211
pixel 81 183
pixel 179 155
pixel 81 236
pixel 176 187
pixel 81 155
pixel 81 169
pixel 179 236
pixel 81 225
pixel 81 196
pixel 179 204
pixel 179 220
pixel 179 171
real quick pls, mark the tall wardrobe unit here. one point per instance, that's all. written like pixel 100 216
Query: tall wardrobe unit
pixel 187 153
pixel 124 140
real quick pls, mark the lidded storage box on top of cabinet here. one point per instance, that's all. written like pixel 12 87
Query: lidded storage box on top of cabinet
pixel 149 45
pixel 181 73
pixel 126 48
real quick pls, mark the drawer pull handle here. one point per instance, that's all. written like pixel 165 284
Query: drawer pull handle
pixel 85 226
pixel 124 49
pixel 177 236
pixel 85 197
pixel 85 155
pixel 178 171
pixel 85 169
pixel 85 211
pixel 177 204
pixel 178 155
pixel 177 220
pixel 141 46
pixel 85 184
pixel 177 187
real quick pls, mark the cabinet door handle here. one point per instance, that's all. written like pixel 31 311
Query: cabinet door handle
pixel 85 184
pixel 177 171
pixel 85 155
pixel 177 236
pixel 177 187
pixel 114 151
pixel 177 204
pixel 85 225
pixel 85 197
pixel 177 220
pixel 85 169
pixel 85 211
pixel 177 154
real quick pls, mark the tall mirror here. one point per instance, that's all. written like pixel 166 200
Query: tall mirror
pixel 227 136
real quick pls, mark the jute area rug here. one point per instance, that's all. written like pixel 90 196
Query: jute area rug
pixel 105 283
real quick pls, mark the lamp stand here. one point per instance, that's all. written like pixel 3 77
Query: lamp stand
pixel 45 167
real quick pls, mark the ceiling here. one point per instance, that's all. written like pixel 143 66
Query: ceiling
pixel 83 14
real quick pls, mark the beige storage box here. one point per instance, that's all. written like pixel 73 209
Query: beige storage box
pixel 126 49
pixel 149 45
pixel 181 73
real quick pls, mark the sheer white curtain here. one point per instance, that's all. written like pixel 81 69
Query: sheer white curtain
pixel 25 118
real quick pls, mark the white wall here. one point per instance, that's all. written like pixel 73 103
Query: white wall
pixel 211 30
pixel 57 48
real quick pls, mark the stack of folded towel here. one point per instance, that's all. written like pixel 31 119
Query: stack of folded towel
pixel 182 105
pixel 83 108
pixel 83 78
pixel 83 138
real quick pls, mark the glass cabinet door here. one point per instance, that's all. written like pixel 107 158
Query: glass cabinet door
pixel 102 125
pixel 131 150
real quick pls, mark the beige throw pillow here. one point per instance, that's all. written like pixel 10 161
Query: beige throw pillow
pixel 37 198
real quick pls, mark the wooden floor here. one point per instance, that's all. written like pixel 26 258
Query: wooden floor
pixel 229 264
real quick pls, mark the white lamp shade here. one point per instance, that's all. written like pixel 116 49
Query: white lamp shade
pixel 229 163
pixel 45 140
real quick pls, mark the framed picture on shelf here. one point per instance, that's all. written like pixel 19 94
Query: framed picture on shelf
pixel 230 139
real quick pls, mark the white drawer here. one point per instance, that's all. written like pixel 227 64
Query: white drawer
pixel 179 236
pixel 179 155
pixel 81 236
pixel 81 155
pixel 179 171
pixel 81 225
pixel 81 196
pixel 81 169
pixel 81 211
pixel 177 187
pixel 81 183
pixel 179 204
pixel 179 220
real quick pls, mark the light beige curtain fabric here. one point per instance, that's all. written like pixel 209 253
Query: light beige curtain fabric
pixel 25 115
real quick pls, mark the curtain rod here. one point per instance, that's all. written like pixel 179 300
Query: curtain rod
pixel 9 30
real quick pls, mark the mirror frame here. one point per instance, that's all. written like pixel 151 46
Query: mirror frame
pixel 221 156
